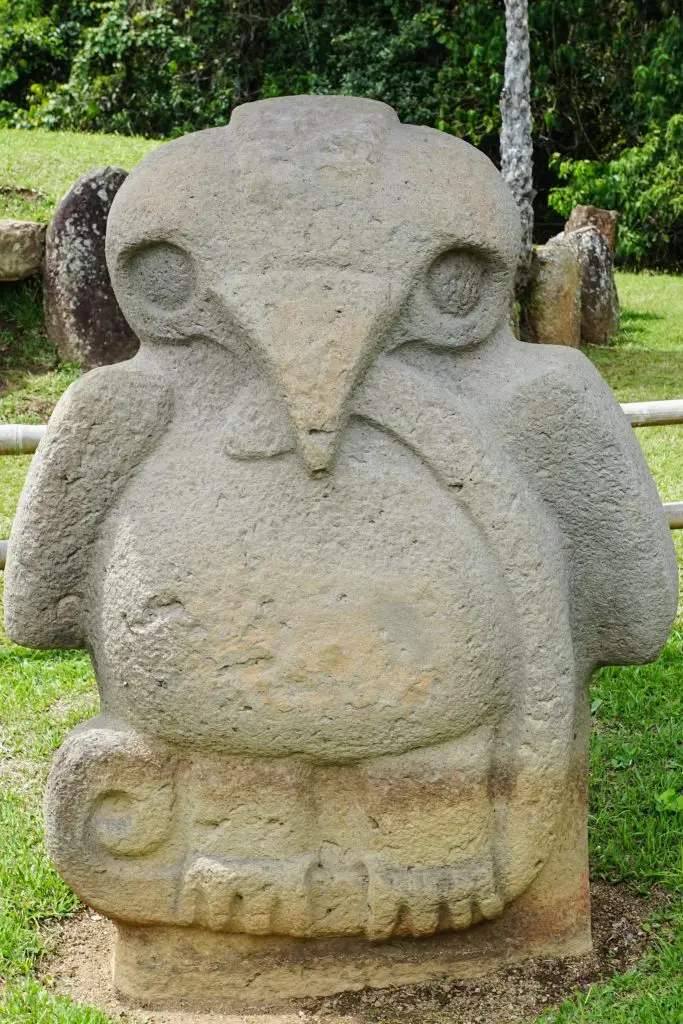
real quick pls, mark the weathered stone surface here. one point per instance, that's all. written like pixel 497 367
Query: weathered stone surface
pixel 553 312
pixel 599 299
pixel 593 216
pixel 345 554
pixel 22 243
pixel 82 315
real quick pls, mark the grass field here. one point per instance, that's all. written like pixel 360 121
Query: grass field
pixel 636 815
pixel 38 167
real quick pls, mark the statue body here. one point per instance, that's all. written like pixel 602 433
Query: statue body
pixel 344 554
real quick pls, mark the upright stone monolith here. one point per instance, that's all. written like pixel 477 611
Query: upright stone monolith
pixel 552 312
pixel 605 221
pixel 599 299
pixel 82 316
pixel 345 554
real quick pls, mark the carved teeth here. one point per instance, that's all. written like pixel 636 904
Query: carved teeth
pixel 276 897
pixel 490 906
pixel 248 895
pixel 421 901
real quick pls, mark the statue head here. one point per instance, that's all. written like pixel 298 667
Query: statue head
pixel 316 233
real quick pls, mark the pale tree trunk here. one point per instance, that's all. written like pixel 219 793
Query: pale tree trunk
pixel 516 152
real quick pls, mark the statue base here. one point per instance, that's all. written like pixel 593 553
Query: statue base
pixel 162 966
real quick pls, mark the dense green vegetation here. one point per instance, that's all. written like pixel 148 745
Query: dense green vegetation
pixel 645 184
pixel 636 799
pixel 606 78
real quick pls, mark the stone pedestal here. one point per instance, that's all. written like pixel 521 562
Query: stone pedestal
pixel 159 967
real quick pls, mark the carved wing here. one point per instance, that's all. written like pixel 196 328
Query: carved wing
pixel 568 435
pixel 102 428
pixel 536 449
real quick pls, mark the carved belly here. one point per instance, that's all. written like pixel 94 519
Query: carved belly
pixel 265 612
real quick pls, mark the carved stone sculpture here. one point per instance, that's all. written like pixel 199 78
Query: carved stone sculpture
pixel 345 554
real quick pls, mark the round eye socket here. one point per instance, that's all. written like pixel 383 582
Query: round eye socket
pixel 456 281
pixel 162 274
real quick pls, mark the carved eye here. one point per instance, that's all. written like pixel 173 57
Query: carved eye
pixel 162 274
pixel 456 281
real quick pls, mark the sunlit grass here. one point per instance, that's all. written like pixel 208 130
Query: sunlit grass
pixel 48 163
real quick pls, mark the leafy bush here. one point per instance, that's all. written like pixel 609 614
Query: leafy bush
pixel 155 69
pixel 163 68
pixel 32 49
pixel 603 73
pixel 159 67
pixel 645 184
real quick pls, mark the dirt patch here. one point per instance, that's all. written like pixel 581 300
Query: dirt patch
pixel 75 708
pixel 81 968
pixel 22 193
pixel 518 993
pixel 25 777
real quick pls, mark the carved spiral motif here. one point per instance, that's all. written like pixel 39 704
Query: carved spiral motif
pixel 133 823
pixel 109 795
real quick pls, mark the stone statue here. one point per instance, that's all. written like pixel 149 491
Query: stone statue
pixel 344 554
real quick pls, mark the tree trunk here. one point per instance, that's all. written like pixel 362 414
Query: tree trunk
pixel 516 152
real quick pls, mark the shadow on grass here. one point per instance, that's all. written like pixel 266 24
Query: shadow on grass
pixel 635 326
pixel 23 341
pixel 31 378
pixel 635 371
pixel 636 314
pixel 638 374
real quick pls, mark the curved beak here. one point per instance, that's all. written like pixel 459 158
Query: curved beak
pixel 318 333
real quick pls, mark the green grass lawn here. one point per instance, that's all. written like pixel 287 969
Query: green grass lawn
pixel 48 163
pixel 636 823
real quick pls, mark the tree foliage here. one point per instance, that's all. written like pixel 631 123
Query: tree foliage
pixel 604 74
pixel 646 185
